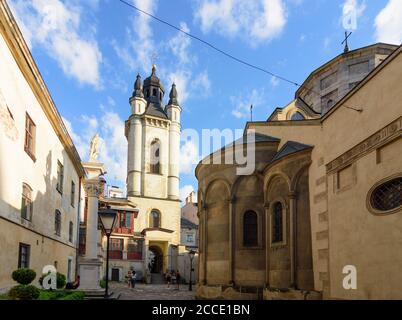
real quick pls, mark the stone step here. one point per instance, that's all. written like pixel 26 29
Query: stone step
pixel 157 278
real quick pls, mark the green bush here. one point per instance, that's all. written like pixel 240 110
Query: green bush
pixel 61 295
pixel 51 294
pixel 23 275
pixel 102 284
pixel 24 292
pixel 78 295
pixel 61 280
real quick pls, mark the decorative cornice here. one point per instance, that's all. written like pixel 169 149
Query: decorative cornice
pixel 380 138
pixel 92 188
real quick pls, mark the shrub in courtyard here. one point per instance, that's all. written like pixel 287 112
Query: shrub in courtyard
pixel 61 280
pixel 23 276
pixel 24 292
pixel 102 283
pixel 78 295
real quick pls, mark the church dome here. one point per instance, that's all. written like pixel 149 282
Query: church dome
pixel 153 81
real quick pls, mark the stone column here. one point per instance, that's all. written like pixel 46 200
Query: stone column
pixel 292 236
pixel 232 242
pixel 205 246
pixel 92 190
pixel 267 242
pixel 90 265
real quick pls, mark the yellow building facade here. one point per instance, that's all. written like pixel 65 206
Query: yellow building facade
pixel 337 174
pixel 40 169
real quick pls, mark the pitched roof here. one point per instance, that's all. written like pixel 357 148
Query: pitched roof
pixel 188 224
pixel 290 147
pixel 155 110
pixel 258 137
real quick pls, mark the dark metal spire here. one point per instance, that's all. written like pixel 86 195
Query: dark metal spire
pixel 346 50
pixel 138 88
pixel 173 96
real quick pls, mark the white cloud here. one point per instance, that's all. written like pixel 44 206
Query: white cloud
pixel 388 23
pixel 185 192
pixel 202 84
pixel 189 157
pixel 138 51
pixel 243 102
pixel 253 21
pixel 113 146
pixel 351 11
pixel 179 45
pixel 179 62
pixel 181 78
pixel 274 82
pixel 55 26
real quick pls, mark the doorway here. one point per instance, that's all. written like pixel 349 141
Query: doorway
pixel 155 264
pixel 115 274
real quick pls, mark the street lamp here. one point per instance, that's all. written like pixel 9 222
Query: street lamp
pixel 107 218
pixel 191 254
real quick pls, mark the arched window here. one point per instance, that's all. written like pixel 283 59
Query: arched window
pixel 155 219
pixel 297 116
pixel 147 93
pixel 155 157
pixel 26 205
pixel 277 223
pixel 250 229
pixel 154 92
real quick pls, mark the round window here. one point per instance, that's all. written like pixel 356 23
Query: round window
pixel 387 196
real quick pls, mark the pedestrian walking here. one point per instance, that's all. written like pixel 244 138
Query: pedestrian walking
pixel 128 277
pixel 168 278
pixel 133 279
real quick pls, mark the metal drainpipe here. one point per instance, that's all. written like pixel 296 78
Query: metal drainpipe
pixel 77 243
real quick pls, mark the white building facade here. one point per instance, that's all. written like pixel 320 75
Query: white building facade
pixel 153 134
pixel 40 169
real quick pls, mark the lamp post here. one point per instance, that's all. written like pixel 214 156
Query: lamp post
pixel 191 255
pixel 107 218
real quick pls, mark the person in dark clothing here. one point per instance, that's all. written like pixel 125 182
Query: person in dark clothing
pixel 73 285
pixel 133 279
pixel 168 278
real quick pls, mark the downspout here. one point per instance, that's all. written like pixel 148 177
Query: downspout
pixel 77 244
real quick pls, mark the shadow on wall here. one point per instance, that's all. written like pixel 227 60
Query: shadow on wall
pixel 42 223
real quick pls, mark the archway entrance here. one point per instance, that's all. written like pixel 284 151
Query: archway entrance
pixel 155 263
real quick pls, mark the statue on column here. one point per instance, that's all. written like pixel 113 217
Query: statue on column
pixel 94 148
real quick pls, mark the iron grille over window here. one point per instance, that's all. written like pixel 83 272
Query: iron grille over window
pixel 277 225
pixel 23 255
pixel 250 229
pixel 57 222
pixel 387 196
pixel 71 232
pixel 26 205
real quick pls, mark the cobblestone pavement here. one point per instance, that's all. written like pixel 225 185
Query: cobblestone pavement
pixel 151 292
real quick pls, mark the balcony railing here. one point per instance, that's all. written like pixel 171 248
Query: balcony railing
pixel 116 254
pixel 123 230
pixel 134 255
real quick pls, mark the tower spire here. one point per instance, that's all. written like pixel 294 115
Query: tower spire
pixel 173 95
pixel 138 88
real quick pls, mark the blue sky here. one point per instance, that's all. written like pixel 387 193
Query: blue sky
pixel 89 53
